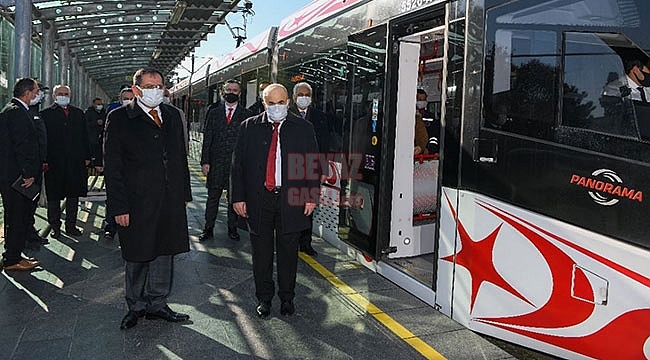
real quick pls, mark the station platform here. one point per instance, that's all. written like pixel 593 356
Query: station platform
pixel 71 308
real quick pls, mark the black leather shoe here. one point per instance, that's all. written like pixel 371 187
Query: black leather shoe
pixel 206 235
pixel 56 233
pixel 73 231
pixel 309 251
pixel 233 234
pixel 287 308
pixel 167 314
pixel 263 309
pixel 38 239
pixel 131 319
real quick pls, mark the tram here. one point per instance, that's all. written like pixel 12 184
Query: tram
pixel 528 221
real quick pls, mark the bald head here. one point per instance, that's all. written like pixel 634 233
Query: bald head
pixel 275 94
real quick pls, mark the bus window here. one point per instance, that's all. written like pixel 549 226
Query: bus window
pixel 593 78
pixel 521 86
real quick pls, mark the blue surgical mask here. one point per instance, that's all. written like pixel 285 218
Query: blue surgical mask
pixel 303 101
pixel 62 100
pixel 277 112
pixel 151 97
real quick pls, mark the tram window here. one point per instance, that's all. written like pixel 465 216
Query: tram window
pixel 593 76
pixel 522 74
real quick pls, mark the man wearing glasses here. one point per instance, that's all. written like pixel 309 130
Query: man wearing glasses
pixel 147 187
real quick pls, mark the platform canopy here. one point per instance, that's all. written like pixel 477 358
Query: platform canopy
pixel 111 39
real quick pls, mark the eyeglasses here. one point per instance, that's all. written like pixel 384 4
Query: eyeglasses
pixel 150 87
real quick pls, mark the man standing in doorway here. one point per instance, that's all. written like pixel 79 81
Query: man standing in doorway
pixel 219 137
pixel 275 205
pixel 147 188
pixel 68 155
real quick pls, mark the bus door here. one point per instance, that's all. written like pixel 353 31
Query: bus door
pixel 416 88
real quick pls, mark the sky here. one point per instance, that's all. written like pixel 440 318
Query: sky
pixel 267 13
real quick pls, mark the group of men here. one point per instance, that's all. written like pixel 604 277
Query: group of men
pixel 52 145
pixel 141 150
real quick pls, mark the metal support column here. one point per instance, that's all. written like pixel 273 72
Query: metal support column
pixel 64 60
pixel 47 70
pixel 22 54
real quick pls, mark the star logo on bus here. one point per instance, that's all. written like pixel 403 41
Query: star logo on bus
pixel 475 256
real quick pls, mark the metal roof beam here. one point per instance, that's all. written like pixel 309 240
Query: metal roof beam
pixel 107 7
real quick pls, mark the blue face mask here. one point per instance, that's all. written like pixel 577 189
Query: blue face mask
pixel 277 112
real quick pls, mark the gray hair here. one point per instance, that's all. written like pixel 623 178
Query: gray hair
pixel 301 84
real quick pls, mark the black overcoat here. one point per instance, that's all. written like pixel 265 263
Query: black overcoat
pixel 219 140
pixel 147 177
pixel 95 133
pixel 249 170
pixel 67 152
pixel 18 145
pixel 322 126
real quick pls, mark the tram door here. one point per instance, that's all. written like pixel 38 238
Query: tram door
pixel 416 63
pixel 362 137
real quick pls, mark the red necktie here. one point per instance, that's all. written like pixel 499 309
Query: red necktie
pixel 229 116
pixel 270 159
pixel 66 111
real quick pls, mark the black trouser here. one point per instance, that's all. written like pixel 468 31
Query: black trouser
pixel 148 284
pixel 17 210
pixel 263 245
pixel 212 207
pixel 54 212
pixel 305 235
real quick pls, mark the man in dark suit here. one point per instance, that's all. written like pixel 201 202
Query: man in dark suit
pixel 219 137
pixel 68 155
pixel 258 107
pixel 274 191
pixel 147 187
pixel 19 157
pixel 95 117
pixel 302 99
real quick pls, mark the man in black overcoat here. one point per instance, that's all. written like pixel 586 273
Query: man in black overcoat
pixel 95 117
pixel 68 155
pixel 19 157
pixel 276 192
pixel 219 137
pixel 302 101
pixel 147 187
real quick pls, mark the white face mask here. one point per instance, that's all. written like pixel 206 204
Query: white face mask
pixel 421 104
pixel 277 112
pixel 303 101
pixel 37 99
pixel 166 100
pixel 126 101
pixel 62 100
pixel 99 107
pixel 151 97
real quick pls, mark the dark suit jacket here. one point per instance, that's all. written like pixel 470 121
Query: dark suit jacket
pixel 321 127
pixel 18 145
pixel 147 177
pixel 67 151
pixel 219 140
pixel 249 170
